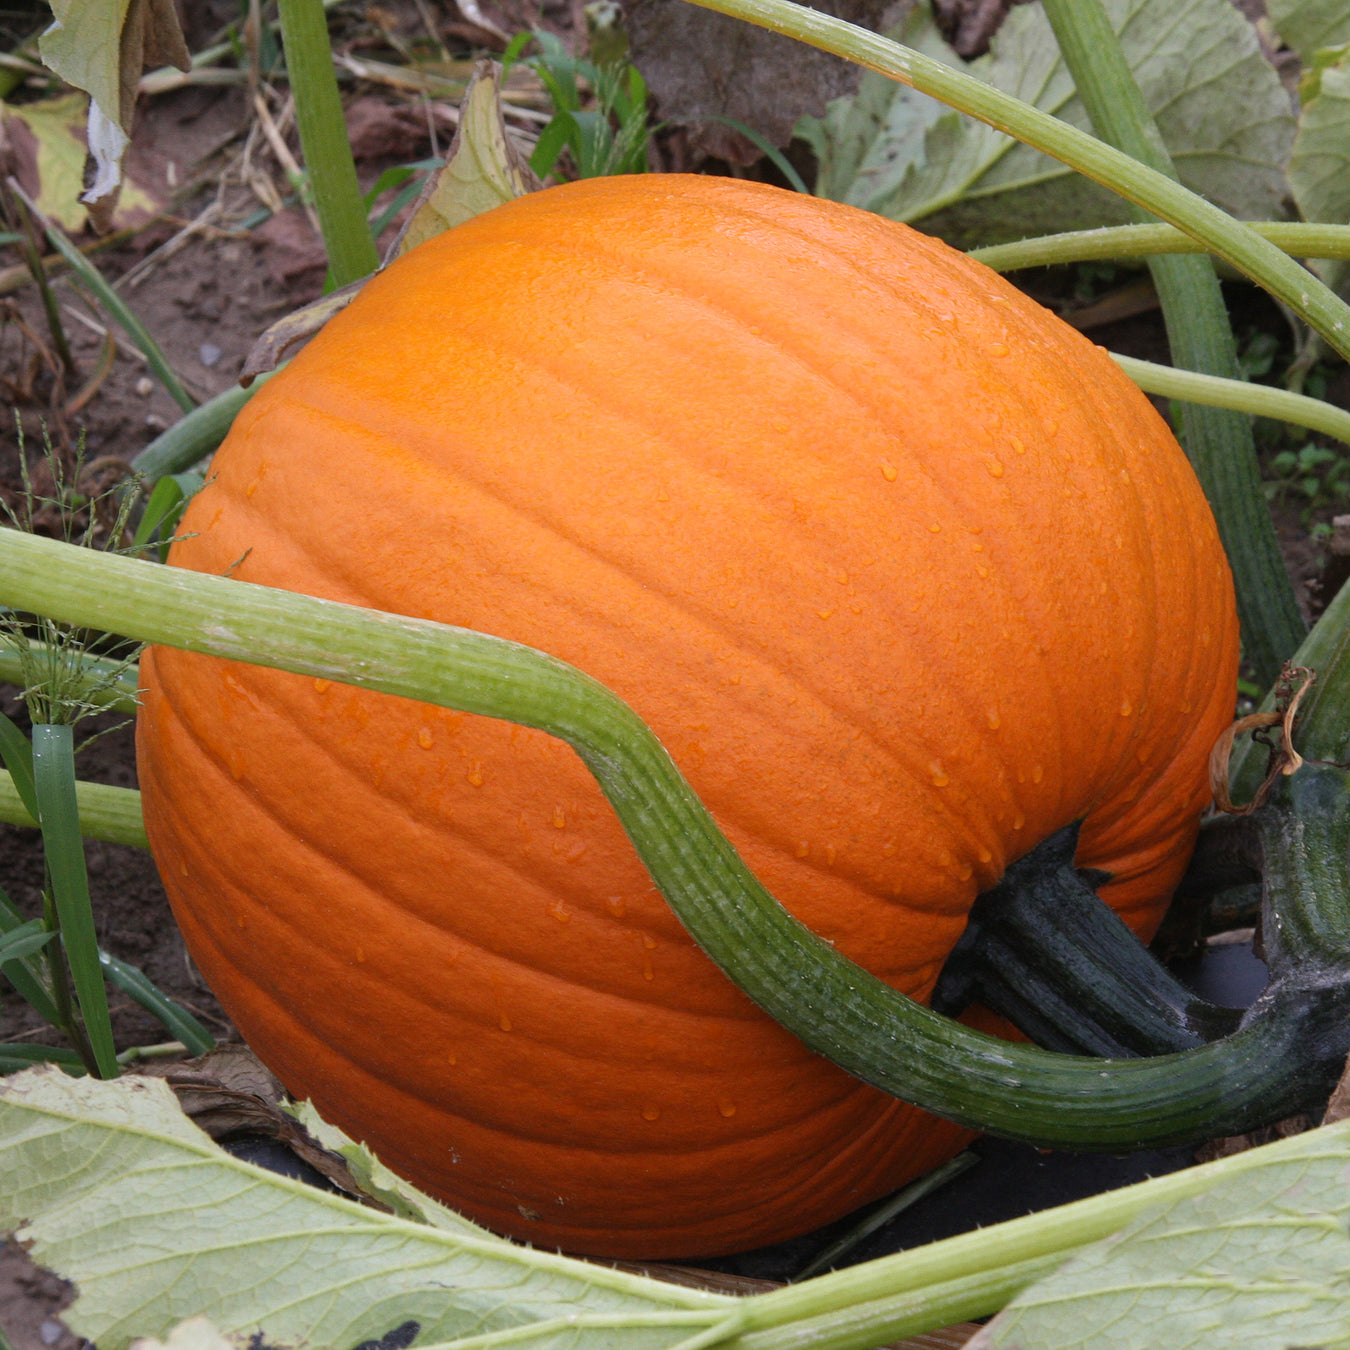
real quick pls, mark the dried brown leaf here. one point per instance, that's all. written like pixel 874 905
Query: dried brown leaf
pixel 701 66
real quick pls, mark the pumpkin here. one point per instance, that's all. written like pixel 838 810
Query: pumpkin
pixel 901 569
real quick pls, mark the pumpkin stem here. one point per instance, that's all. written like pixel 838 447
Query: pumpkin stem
pixel 1045 951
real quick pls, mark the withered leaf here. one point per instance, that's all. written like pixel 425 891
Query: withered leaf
pixel 701 66
pixel 483 169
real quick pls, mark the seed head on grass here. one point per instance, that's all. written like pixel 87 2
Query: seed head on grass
pixel 68 673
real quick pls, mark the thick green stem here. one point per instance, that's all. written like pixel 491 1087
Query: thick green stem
pixel 112 814
pixel 1045 951
pixel 1218 441
pixel 323 139
pixel 1213 228
pixel 1282 1061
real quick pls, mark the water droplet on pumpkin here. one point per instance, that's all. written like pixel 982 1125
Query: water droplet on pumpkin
pixel 803 849
pixel 984 855
pixel 830 853
pixel 452 1058
pixel 475 775
pixel 824 613
pixel 1018 821
pixel 424 737
pixel 726 1108
pixel 945 858
pixel 504 1022
pixel 965 872
pixel 560 912
pixel 360 955
pixel 651 1113
pixel 647 972
pixel 559 820
pixel 935 528
pixel 1019 447
pixel 888 471
pixel 1037 774
pixel 1126 708
pixel 993 719
pixel 938 774
pixel 321 685
pixel 995 467
pixel 998 349
pixel 649 942
pixel 253 486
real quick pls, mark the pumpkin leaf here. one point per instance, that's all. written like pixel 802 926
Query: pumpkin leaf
pixel 102 46
pixel 117 1191
pixel 197 1333
pixel 1310 25
pixel 1319 168
pixel 1219 104
pixel 379 1182
pixel 483 169
pixel 47 139
pixel 1257 1262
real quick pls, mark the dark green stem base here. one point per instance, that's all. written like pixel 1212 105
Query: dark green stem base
pixel 1044 950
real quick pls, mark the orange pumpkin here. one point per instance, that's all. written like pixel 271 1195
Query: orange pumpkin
pixel 902 570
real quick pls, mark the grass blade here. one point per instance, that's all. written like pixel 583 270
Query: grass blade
pixel 58 811
pixel 137 985
pixel 17 1057
pixel 24 940
pixel 17 755
pixel 26 981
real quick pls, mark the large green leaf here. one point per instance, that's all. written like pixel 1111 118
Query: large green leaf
pixel 1219 104
pixel 114 1188
pixel 1309 25
pixel 1319 169
pixel 1261 1261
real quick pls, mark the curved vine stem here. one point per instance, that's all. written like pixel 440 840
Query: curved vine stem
pixel 1299 239
pixel 834 1006
pixel 1261 400
pixel 1211 227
